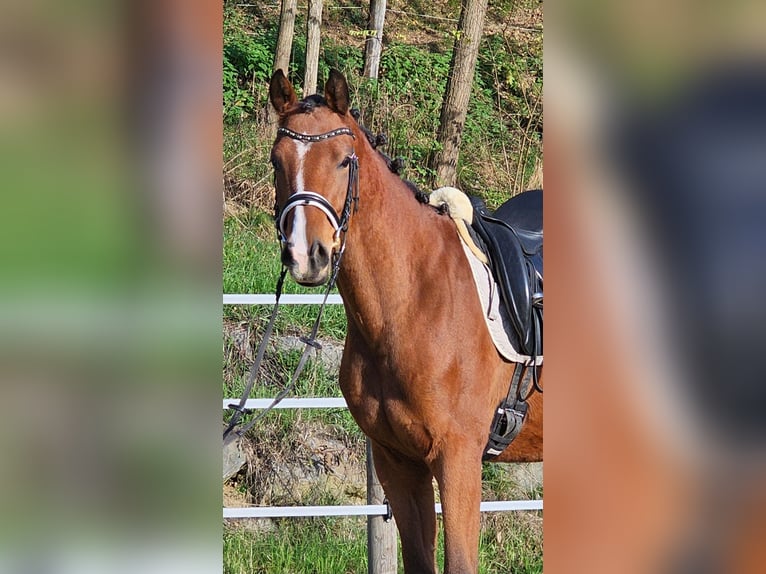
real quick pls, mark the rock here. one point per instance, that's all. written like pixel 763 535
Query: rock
pixel 233 457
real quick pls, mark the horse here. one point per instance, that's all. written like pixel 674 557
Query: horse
pixel 419 371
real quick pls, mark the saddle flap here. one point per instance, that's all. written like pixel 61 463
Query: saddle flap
pixel 516 258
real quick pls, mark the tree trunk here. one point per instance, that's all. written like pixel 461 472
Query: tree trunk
pixel 313 25
pixel 374 44
pixel 284 43
pixel 455 106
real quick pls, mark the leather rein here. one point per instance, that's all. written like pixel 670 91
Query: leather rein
pixel 340 225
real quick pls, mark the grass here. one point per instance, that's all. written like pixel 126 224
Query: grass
pixel 251 265
pixel 317 545
pixel 316 380
pixel 339 545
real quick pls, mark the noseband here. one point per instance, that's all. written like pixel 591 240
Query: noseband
pixel 313 199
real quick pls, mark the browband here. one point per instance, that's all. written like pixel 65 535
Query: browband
pixel 315 138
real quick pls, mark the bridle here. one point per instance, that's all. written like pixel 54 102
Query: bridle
pixel 313 199
pixel 340 225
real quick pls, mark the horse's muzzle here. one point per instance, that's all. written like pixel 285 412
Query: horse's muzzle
pixel 310 269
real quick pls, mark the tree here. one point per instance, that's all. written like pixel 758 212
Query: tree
pixel 313 25
pixel 374 44
pixel 458 92
pixel 284 42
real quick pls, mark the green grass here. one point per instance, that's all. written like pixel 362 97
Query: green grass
pixel 338 545
pixel 316 545
pixel 510 544
pixel 315 381
pixel 251 265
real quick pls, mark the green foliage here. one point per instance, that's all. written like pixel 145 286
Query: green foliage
pixel 506 113
pixel 415 79
pixel 346 59
pixel 415 74
pixel 501 140
pixel 247 61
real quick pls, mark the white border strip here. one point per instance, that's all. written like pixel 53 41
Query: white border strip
pixel 304 403
pixel 264 299
pixel 360 509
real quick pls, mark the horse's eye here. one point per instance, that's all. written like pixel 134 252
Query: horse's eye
pixel 345 161
pixel 275 164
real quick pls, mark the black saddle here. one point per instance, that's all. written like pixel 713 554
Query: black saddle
pixel 513 242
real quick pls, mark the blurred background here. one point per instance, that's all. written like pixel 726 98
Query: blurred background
pixel 110 283
pixel 654 215
pixel 110 286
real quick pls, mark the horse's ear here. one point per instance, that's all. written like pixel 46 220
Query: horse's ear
pixel 281 92
pixel 336 92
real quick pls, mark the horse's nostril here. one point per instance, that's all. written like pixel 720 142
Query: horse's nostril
pixel 319 255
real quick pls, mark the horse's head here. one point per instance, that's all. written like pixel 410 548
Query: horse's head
pixel 315 175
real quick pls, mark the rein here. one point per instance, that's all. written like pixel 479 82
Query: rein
pixel 340 225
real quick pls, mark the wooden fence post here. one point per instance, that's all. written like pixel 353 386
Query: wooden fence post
pixel 381 535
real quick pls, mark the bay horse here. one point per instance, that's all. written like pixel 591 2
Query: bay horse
pixel 419 372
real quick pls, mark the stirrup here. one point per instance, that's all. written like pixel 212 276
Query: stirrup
pixel 506 426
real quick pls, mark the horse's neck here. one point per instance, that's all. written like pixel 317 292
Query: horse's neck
pixel 387 253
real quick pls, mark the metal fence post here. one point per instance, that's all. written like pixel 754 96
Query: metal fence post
pixel 381 535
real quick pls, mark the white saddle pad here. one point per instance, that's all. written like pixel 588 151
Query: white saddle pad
pixel 495 315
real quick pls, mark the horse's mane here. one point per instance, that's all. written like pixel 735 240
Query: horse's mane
pixel 310 103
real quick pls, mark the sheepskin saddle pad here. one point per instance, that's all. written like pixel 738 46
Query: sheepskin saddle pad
pixel 505 251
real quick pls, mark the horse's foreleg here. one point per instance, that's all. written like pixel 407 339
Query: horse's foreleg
pixel 409 488
pixel 458 472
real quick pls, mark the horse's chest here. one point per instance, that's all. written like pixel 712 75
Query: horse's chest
pixel 385 412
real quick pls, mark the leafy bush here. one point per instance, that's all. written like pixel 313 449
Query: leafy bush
pixel 247 60
pixel 502 137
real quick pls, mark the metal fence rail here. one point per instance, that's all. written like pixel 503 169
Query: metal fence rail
pixel 304 403
pixel 265 299
pixel 362 509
